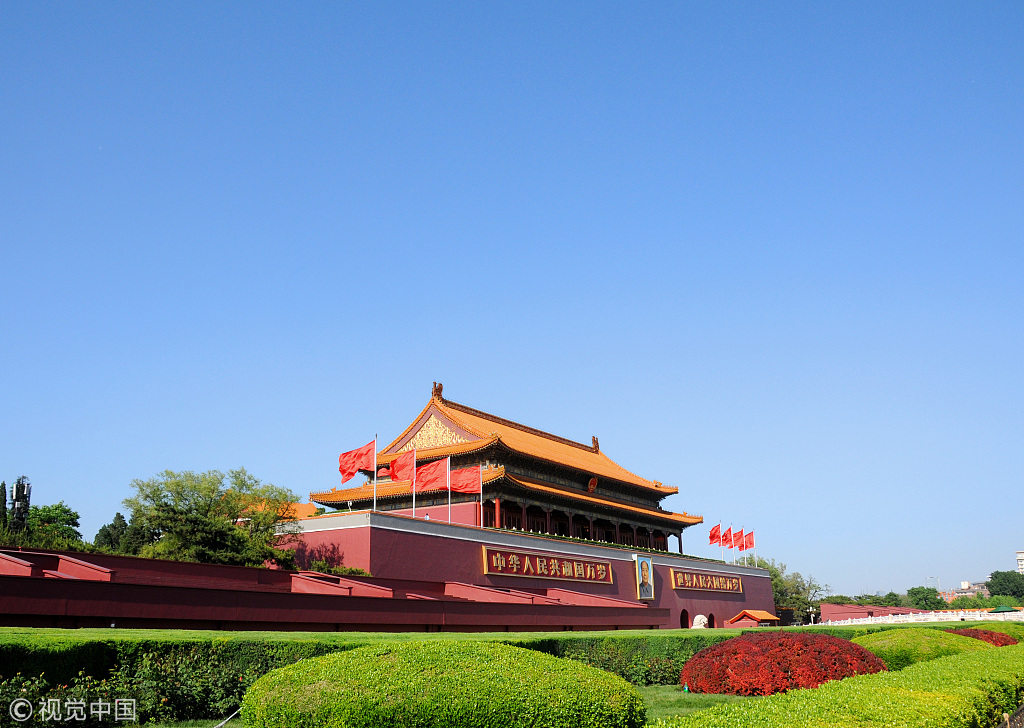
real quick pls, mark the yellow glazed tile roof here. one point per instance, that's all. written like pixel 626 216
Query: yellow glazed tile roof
pixel 385 490
pixel 488 428
pixel 759 614
pixel 530 484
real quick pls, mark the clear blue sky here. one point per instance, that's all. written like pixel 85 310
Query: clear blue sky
pixel 771 254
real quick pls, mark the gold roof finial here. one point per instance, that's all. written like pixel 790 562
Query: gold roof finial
pixel 597 446
pixel 436 391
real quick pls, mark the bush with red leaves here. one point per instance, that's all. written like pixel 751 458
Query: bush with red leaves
pixel 993 638
pixel 763 663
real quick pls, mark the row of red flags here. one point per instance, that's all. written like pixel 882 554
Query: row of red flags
pixel 432 476
pixel 730 540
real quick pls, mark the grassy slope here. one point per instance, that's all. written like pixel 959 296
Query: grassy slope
pixel 899 648
pixel 18 634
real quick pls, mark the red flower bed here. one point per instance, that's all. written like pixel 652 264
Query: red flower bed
pixel 764 663
pixel 993 638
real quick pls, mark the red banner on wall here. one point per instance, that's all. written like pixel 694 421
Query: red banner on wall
pixel 706 582
pixel 512 562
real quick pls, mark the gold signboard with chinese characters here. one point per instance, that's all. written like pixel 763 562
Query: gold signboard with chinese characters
pixel 706 582
pixel 513 562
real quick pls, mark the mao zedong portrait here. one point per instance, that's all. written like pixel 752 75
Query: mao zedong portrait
pixel 644 585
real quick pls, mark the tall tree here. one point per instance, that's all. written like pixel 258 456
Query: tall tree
pixel 53 523
pixel 110 535
pixel 3 505
pixel 792 590
pixel 926 597
pixel 211 518
pixel 1006 583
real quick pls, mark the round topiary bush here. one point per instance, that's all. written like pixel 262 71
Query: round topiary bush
pixel 998 639
pixel 764 663
pixel 441 683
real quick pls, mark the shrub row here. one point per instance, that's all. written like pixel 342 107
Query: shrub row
pixel 454 684
pixel 187 675
pixel 963 691
pixel 900 648
pixel 996 639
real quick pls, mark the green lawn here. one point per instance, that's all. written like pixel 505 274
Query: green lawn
pixel 665 701
pixel 235 723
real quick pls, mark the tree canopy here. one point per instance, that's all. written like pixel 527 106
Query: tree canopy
pixel 45 527
pixel 792 590
pixel 1006 583
pixel 926 597
pixel 210 518
pixel 54 522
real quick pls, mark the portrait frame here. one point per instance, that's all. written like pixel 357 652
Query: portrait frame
pixel 644 593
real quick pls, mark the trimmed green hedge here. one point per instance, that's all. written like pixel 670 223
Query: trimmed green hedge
pixel 963 691
pixel 193 674
pixel 900 648
pixel 441 683
pixel 190 674
pixel 642 658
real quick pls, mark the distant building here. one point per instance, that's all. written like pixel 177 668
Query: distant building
pixel 967 589
pixel 1020 562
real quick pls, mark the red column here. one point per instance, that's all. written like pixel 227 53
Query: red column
pixel 497 513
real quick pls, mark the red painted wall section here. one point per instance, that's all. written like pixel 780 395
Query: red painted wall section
pixel 13 566
pixel 466 514
pixel 398 554
pixel 347 546
pixel 836 612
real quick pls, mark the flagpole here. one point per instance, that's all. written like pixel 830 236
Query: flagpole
pixel 375 471
pixel 448 477
pixel 414 482
pixel 481 496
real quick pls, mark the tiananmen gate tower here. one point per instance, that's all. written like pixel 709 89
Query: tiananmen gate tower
pixel 532 481
pixel 549 534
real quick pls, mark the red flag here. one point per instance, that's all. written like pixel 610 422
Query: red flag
pixel 727 538
pixel 465 480
pixel 402 466
pixel 351 462
pixel 384 472
pixel 737 540
pixel 750 540
pixel 432 476
pixel 716 535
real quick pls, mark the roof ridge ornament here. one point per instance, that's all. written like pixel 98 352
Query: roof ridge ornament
pixel 436 390
pixel 596 446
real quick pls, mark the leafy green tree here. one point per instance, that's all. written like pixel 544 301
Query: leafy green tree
pixel 210 518
pixel 1006 583
pixel 838 599
pixel 139 534
pixel 3 505
pixel 892 599
pixel 55 522
pixel 792 590
pixel 926 597
pixel 980 602
pixel 109 536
